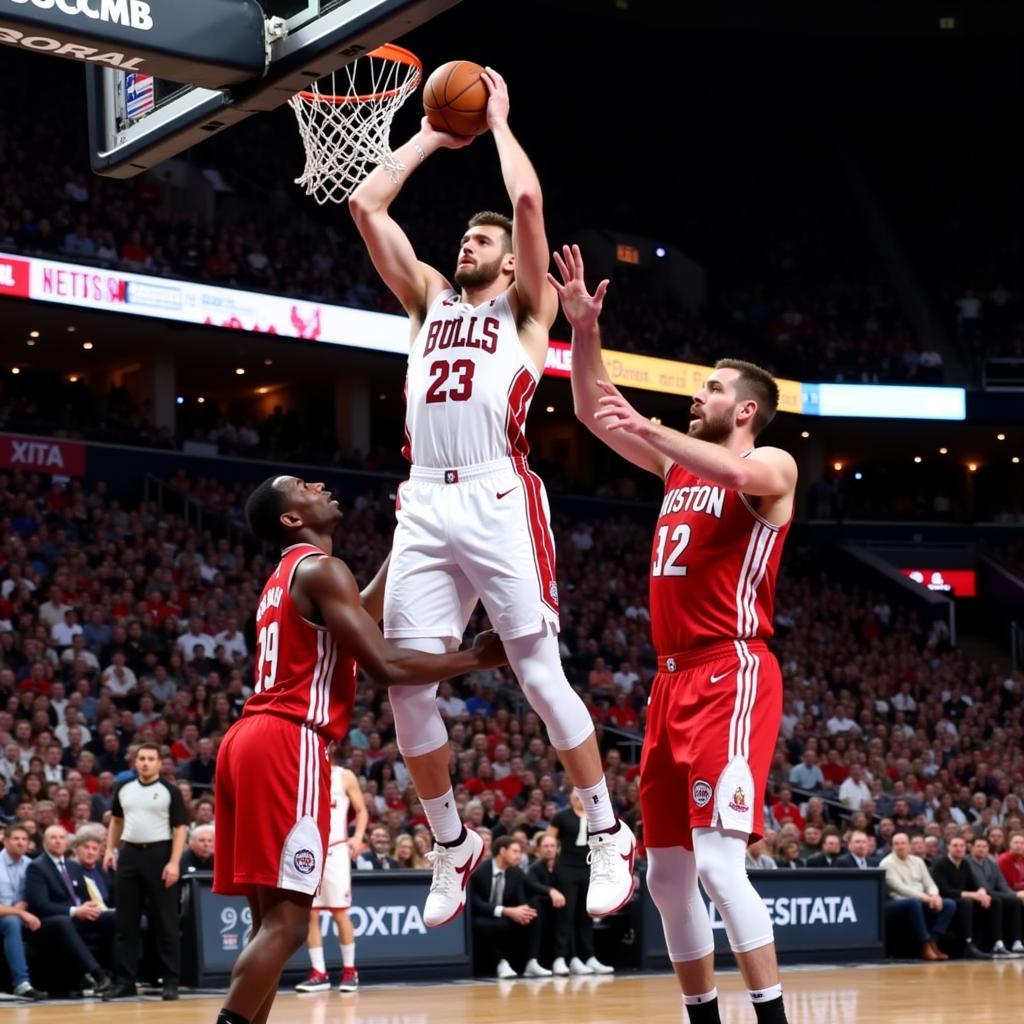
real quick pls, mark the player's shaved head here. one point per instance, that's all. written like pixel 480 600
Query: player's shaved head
pixel 264 509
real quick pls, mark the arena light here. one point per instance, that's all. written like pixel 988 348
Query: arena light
pixel 805 433
pixel 837 466
pixel 917 459
pixel 549 408
pixel 73 378
pixel 943 451
pixel 1000 437
pixel 1015 460
pixel 858 475
pixel 88 346
pixel 15 370
pixel 30 343
pixel 262 391
pixel 180 400
pixel 240 371
pixel 33 334
pixel 201 400
pixel 972 466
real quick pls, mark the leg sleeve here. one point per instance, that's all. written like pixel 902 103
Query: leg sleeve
pixel 419 727
pixel 672 882
pixel 722 869
pixel 538 667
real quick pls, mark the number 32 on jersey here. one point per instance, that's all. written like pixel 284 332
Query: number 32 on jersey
pixel 680 538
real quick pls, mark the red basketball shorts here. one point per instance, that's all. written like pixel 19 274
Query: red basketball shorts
pixel 273 806
pixel 712 726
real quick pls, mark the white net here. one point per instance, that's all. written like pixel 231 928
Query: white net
pixel 346 130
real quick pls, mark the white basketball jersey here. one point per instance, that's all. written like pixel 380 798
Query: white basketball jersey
pixel 339 806
pixel 468 387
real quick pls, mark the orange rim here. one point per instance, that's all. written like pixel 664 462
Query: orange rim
pixel 389 51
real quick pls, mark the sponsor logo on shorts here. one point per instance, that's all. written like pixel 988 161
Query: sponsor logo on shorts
pixel 305 861
pixel 739 801
pixel 702 793
pixel 553 591
pixel 721 675
pixel 670 664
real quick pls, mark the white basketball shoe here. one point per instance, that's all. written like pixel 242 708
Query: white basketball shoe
pixel 611 870
pixel 452 867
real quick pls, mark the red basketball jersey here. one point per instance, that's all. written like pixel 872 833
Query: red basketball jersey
pixel 713 567
pixel 300 674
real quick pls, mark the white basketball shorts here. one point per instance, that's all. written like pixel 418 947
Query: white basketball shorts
pixel 481 532
pixel 335 892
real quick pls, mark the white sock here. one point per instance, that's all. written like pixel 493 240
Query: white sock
pixel 598 805
pixel 766 995
pixel 704 997
pixel 443 816
pixel 348 954
pixel 316 958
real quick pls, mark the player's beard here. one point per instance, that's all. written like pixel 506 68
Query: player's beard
pixel 713 429
pixel 479 276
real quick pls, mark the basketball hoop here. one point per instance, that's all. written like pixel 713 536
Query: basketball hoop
pixel 348 128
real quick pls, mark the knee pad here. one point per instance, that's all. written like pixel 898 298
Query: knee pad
pixel 672 883
pixel 538 667
pixel 721 865
pixel 419 727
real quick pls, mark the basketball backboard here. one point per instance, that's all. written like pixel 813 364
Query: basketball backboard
pixel 137 120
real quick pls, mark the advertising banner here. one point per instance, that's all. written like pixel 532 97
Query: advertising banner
pixel 42 455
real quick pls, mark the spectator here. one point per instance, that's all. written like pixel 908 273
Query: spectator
pixel 957 881
pixel 150 820
pixel 199 855
pixel 200 770
pixel 500 907
pixel 914 898
pixel 831 850
pixel 807 775
pixel 88 846
pixel 194 637
pixel 569 827
pixel 1011 863
pixel 789 854
pixel 784 809
pixel 407 856
pixel 543 882
pixel 857 854
pixel 758 858
pixel 987 872
pixel 56 893
pixel 377 857
pixel 14 913
pixel 855 790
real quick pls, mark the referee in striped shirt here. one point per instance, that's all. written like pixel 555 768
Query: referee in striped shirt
pixel 150 821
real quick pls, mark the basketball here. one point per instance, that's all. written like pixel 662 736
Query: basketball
pixel 455 98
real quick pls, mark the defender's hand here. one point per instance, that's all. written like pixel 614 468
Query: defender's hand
pixel 615 413
pixel 488 650
pixel 581 308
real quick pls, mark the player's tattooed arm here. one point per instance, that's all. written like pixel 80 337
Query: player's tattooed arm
pixel 328 584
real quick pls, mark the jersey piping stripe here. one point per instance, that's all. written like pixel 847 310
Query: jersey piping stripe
pixel 750 666
pixel 540 534
pixel 520 391
pixel 744 570
pixel 758 579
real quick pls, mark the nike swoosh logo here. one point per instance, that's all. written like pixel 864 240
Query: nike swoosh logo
pixel 465 871
pixel 722 675
pixel 505 493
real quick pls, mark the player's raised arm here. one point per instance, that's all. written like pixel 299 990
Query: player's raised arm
pixel 766 472
pixel 536 300
pixel 331 587
pixel 582 310
pixel 413 283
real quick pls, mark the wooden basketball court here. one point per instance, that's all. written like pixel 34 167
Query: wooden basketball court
pixel 941 993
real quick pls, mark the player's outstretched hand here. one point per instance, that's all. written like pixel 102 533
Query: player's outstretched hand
pixel 580 307
pixel 615 413
pixel 497 102
pixel 487 647
pixel 443 140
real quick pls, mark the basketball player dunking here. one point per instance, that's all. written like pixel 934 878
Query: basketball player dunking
pixel 273 778
pixel 716 702
pixel 472 518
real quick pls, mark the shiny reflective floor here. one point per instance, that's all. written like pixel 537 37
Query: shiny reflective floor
pixel 943 993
